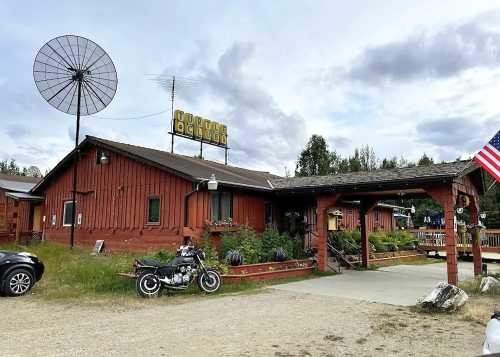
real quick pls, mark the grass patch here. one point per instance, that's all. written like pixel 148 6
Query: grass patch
pixel 76 274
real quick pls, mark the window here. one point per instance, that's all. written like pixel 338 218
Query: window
pixel 269 214
pixel 154 210
pixel 222 206
pixel 67 213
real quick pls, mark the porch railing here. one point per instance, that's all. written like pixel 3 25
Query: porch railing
pixel 490 238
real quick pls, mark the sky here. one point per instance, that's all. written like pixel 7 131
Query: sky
pixel 404 77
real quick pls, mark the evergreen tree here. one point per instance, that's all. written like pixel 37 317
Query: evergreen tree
pixel 315 159
pixel 425 160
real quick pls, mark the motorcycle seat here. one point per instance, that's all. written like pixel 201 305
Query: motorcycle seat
pixel 154 263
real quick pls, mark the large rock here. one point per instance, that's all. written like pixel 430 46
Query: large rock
pixel 445 296
pixel 487 283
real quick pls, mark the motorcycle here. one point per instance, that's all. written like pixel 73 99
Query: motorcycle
pixel 178 274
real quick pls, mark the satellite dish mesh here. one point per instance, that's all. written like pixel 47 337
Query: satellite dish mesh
pixel 66 60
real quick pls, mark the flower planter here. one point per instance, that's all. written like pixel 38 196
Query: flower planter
pixel 268 271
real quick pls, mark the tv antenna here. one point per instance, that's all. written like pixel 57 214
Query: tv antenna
pixel 77 77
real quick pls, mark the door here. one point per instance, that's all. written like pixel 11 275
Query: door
pixel 37 218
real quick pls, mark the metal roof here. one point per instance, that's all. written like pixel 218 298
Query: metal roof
pixel 17 183
pixel 24 196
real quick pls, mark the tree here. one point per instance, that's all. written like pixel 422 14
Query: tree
pixel 367 158
pixel 12 168
pixel 425 160
pixel 389 163
pixel 315 159
pixel 355 162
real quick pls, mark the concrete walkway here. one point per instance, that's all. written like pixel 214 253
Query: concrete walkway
pixel 396 285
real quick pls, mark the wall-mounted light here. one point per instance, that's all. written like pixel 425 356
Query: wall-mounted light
pixel 104 160
pixel 212 184
pixel 460 210
pixel 482 215
pixel 412 209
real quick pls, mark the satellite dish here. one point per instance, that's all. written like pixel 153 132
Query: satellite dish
pixel 71 67
pixel 76 76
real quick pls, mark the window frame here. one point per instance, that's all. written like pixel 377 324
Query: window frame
pixel 219 195
pixel 154 223
pixel 65 203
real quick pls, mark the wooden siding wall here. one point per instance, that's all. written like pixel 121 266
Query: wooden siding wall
pixel 350 218
pixel 249 210
pixel 113 198
pixel 9 210
pixel 113 202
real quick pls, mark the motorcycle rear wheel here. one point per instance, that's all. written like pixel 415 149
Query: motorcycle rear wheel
pixel 209 281
pixel 148 285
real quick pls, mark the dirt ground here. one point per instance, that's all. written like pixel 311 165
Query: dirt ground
pixel 267 323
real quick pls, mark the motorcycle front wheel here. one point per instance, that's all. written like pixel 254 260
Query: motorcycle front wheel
pixel 148 285
pixel 209 281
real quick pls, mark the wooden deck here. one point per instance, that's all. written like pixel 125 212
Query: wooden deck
pixel 434 240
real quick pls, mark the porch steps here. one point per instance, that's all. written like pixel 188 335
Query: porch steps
pixel 340 256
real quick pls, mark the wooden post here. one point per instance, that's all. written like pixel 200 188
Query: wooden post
pixel 18 225
pixel 476 236
pixel 365 207
pixel 323 203
pixel 446 196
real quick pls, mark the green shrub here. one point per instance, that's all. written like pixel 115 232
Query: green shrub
pixel 229 241
pixel 344 241
pixel 162 255
pixel 379 241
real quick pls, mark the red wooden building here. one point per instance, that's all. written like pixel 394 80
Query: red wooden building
pixel 16 212
pixel 138 198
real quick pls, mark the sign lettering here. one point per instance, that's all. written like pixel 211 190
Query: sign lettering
pixel 198 128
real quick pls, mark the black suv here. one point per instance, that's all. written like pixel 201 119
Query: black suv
pixel 19 272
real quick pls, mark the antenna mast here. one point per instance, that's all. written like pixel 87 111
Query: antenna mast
pixel 172 121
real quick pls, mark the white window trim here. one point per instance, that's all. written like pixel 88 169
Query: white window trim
pixel 64 213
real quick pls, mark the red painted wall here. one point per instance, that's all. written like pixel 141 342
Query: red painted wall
pixel 9 210
pixel 113 202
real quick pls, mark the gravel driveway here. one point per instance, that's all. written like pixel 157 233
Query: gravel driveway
pixel 267 323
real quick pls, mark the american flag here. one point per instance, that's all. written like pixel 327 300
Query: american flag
pixel 489 157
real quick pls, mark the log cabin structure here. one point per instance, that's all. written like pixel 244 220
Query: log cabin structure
pixel 136 198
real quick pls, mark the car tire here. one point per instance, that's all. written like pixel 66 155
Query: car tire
pixel 18 282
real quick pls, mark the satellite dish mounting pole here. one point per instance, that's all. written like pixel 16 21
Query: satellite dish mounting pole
pixel 75 164
pixel 75 76
pixel 172 121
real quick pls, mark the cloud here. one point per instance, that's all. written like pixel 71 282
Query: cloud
pixel 260 132
pixel 452 136
pixel 423 56
pixel 17 132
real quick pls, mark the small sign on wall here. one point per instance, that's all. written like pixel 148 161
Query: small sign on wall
pixel 79 219
pixel 99 244
pixel 54 219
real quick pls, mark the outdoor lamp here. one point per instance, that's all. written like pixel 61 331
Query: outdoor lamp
pixel 412 209
pixel 104 160
pixel 212 183
pixel 482 215
pixel 460 210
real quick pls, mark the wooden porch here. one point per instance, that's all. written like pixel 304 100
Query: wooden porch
pixel 435 240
